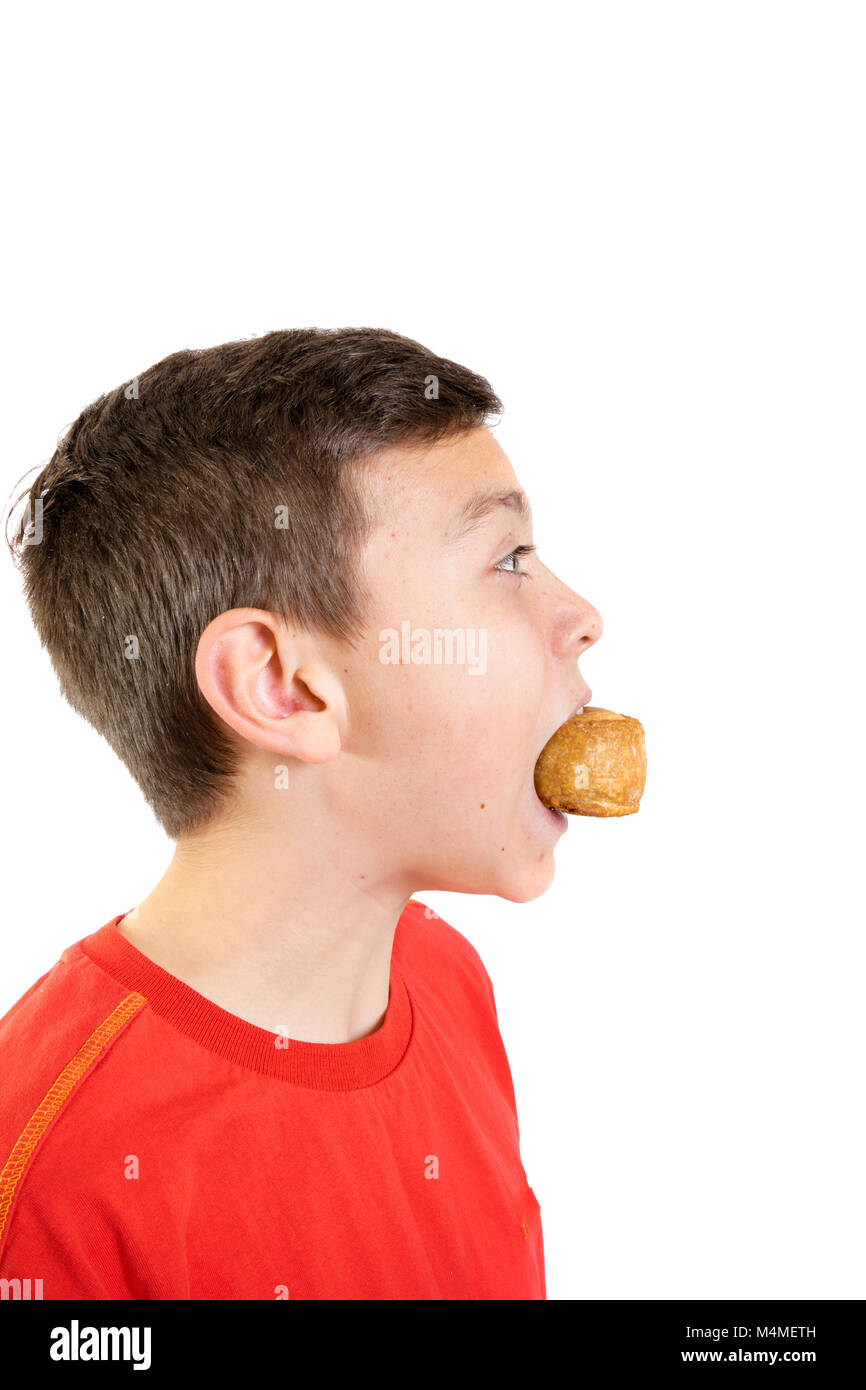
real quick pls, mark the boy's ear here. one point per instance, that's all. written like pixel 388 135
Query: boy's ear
pixel 267 683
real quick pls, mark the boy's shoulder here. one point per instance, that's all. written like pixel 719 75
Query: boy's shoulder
pixel 59 1029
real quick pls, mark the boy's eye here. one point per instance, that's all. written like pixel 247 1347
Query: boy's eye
pixel 514 555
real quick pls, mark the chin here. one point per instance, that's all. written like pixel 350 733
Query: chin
pixel 526 886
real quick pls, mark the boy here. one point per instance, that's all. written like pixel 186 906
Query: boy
pixel 280 1075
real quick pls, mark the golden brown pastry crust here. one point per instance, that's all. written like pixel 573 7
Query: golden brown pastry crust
pixel 594 765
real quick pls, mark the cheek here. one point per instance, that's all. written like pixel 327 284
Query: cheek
pixel 472 722
pixel 498 715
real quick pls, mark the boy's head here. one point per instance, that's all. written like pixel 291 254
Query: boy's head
pixel 249 572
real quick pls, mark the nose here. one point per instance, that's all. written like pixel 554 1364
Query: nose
pixel 576 628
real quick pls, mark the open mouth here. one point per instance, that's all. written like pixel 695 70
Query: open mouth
pixel 558 817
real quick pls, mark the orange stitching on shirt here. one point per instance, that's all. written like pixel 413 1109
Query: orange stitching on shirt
pixel 54 1098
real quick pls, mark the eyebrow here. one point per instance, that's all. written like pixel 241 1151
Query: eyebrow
pixel 482 504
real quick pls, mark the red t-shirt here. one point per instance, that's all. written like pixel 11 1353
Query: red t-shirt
pixel 155 1146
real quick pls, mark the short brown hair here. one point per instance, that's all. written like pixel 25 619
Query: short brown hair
pixel 158 514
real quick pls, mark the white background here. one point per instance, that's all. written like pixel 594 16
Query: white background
pixel 644 223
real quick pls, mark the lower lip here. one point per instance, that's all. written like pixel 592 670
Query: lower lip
pixel 557 818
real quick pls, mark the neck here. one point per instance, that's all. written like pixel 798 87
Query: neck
pixel 273 935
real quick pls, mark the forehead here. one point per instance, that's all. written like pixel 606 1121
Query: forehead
pixel 449 489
